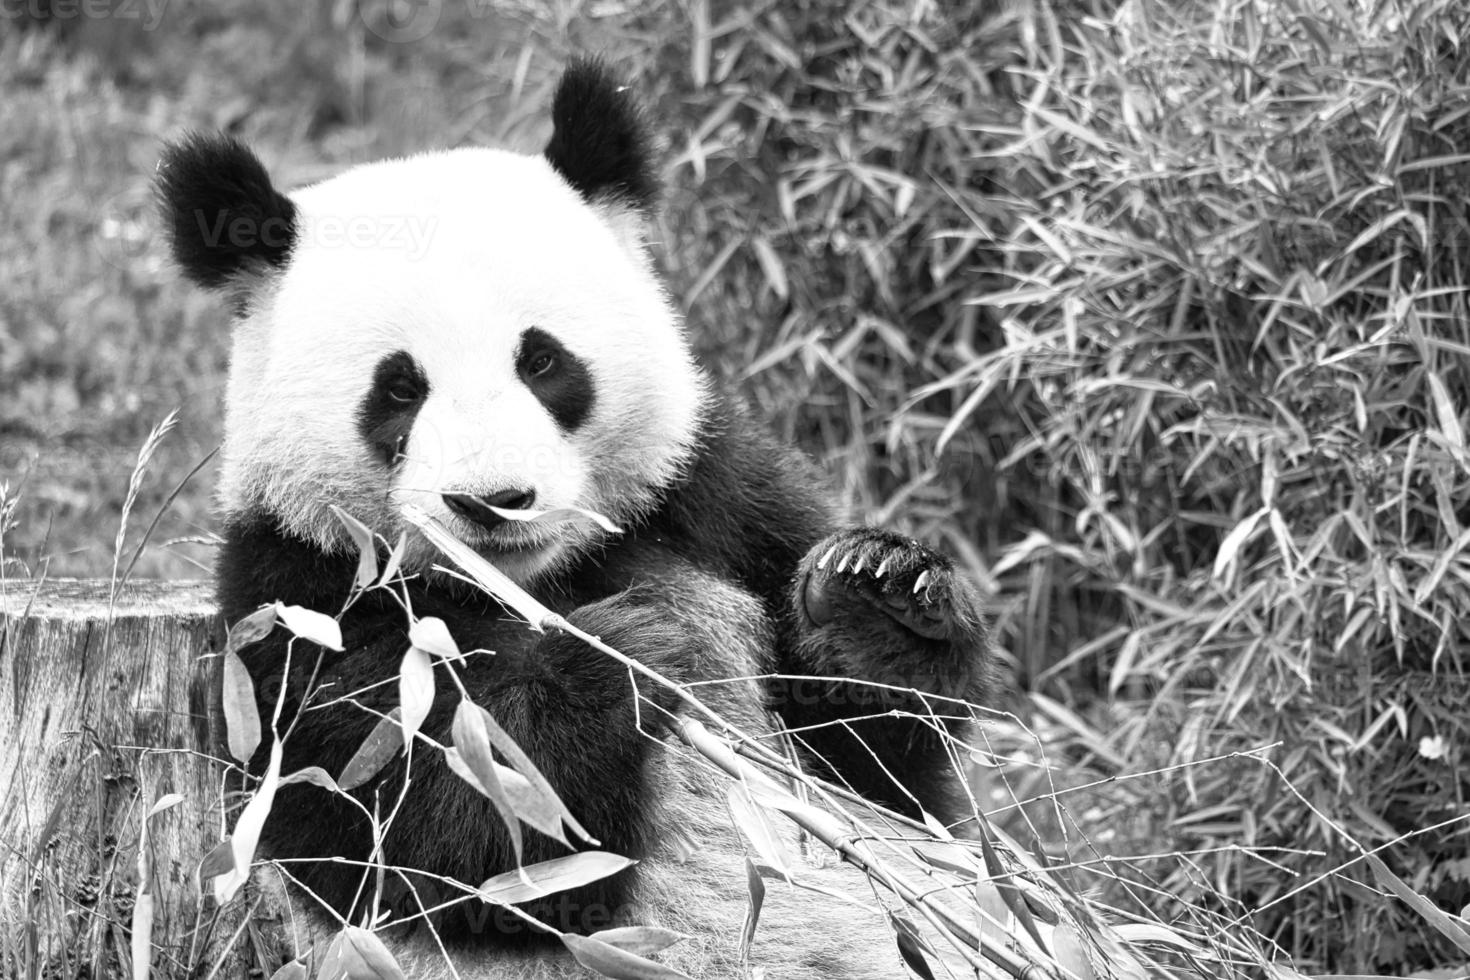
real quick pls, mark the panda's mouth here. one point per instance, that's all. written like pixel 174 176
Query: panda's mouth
pixel 506 540
pixel 497 538
pixel 507 545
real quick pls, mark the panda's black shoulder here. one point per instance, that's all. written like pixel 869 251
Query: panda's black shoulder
pixel 747 506
pixel 260 563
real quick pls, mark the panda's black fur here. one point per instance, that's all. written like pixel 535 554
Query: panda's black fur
pixel 740 567
pixel 599 140
pixel 222 212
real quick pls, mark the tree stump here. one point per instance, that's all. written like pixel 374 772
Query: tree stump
pixel 106 708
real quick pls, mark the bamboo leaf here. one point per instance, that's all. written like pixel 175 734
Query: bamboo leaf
pixel 246 835
pixel 524 798
pixel 357 954
pixel 253 628
pixel 294 970
pixel 367 549
pixel 556 515
pixel 395 560
pixel 415 691
pixel 609 961
pixel 1009 893
pixel 756 889
pixel 432 636
pixel 771 266
pixel 242 716
pixel 381 745
pixel 142 934
pixel 473 744
pixel 997 922
pixel 541 807
pixel 165 802
pixel 911 946
pixel 1237 537
pixel 309 624
pixel 549 877
pixel 220 860
pixel 757 827
pixel 1070 953
pixel 315 775
pixel 1444 410
pixel 639 940
pixel 1148 932
pixel 1441 920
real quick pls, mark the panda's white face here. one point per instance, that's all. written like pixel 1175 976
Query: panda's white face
pixel 449 330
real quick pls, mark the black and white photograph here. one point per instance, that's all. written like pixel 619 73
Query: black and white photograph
pixel 734 489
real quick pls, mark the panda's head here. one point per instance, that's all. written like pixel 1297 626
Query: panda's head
pixel 452 331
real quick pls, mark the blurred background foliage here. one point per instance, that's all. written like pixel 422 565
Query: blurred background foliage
pixel 1153 313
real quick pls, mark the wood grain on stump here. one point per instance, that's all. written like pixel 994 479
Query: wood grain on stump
pixel 105 708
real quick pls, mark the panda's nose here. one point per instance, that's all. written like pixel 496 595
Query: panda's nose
pixel 477 507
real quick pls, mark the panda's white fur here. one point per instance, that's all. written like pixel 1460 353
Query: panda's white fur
pixel 421 272
pixel 450 258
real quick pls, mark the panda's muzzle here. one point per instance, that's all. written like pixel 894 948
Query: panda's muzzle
pixel 478 508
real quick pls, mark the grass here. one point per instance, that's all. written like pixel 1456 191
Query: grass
pixel 1152 313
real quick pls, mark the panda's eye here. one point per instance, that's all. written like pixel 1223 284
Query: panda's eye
pixel 403 391
pixel 542 364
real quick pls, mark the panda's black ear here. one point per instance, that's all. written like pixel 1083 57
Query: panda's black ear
pixel 600 142
pixel 221 212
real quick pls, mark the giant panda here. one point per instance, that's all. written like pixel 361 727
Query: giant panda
pixel 474 332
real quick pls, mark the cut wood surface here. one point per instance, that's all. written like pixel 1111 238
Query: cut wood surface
pixel 106 708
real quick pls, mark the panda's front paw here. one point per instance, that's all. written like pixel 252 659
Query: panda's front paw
pixel 869 578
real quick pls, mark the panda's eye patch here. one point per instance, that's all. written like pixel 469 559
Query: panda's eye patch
pixel 386 413
pixel 558 378
pixel 399 380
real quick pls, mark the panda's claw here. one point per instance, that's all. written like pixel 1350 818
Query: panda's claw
pixel 822 562
pixel 886 575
